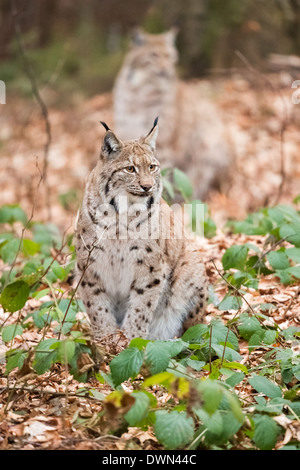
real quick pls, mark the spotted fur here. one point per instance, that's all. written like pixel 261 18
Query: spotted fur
pixel 148 287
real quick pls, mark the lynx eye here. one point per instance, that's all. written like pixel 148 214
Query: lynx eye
pixel 152 167
pixel 130 169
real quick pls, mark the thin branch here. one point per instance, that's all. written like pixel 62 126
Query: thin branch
pixel 237 292
pixel 27 224
pixel 266 252
pixel 76 287
pixel 81 277
pixel 35 90
pixel 49 392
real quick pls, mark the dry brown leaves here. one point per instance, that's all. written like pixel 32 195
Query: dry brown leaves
pixel 46 412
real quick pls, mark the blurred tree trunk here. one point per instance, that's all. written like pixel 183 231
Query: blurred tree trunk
pixel 46 12
pixel 6 27
pixel 294 28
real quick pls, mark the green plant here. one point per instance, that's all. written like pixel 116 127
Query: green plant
pixel 203 373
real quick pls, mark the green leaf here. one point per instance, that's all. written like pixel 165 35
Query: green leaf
pixel 45 356
pixel 296 200
pixel 11 213
pixel 230 302
pixel 46 235
pixel 229 354
pixel 195 333
pixel 235 379
pixel 234 405
pixel 294 271
pixel 29 247
pixel 284 276
pixel 40 293
pixel 66 351
pixel 269 337
pixel 265 432
pixel 96 394
pixel 211 393
pixel 296 371
pixel 263 385
pixel 139 343
pixel 278 260
pixel 220 334
pixel 183 183
pixel 173 429
pixel 213 423
pixel 10 331
pixel 15 358
pixel 169 188
pixel 235 257
pixel 235 365
pixel 288 213
pixel 291 232
pixel 139 409
pixel 9 250
pixel 249 229
pixel 293 254
pixel 43 362
pixel 127 364
pixel 195 364
pixel 159 353
pixel 256 340
pixel 14 296
pixel 59 271
pixel 248 326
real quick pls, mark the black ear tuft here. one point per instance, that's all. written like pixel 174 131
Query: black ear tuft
pixel 154 124
pixel 151 137
pixel 105 126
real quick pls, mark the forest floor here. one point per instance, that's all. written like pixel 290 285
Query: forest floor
pixel 262 124
pixel 55 411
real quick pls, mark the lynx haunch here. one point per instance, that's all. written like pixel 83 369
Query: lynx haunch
pixel 150 287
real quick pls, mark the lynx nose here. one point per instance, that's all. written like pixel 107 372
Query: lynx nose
pixel 146 187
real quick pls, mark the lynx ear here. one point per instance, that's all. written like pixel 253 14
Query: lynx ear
pixel 138 37
pixel 150 138
pixel 171 35
pixel 111 143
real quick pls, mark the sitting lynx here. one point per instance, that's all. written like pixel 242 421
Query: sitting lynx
pixel 148 286
pixel 147 86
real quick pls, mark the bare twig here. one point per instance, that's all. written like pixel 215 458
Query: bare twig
pixel 266 252
pixel 41 391
pixel 27 224
pixel 76 287
pixel 35 90
pixel 236 291
pixel 90 251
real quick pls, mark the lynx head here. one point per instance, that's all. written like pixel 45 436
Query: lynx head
pixel 152 57
pixel 130 168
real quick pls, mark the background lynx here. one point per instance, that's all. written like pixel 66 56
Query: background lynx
pixel 193 136
pixel 149 286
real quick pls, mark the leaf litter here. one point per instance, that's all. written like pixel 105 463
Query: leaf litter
pixel 56 411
